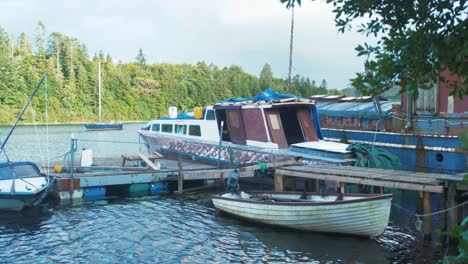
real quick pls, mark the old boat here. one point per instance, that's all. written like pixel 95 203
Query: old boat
pixel 21 182
pixel 102 125
pixel 353 214
pixel 265 128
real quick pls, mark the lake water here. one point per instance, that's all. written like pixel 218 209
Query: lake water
pixel 166 230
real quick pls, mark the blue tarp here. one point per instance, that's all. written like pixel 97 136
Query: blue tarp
pixel 268 95
pixel 182 115
pixel 354 109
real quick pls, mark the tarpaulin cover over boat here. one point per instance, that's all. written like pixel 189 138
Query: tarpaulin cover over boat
pixel 354 109
pixel 372 157
pixel 268 95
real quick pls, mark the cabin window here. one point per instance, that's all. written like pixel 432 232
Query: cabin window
pixel 155 127
pixel 181 129
pixel 274 121
pixel 166 128
pixel 210 115
pixel 194 131
pixel 233 118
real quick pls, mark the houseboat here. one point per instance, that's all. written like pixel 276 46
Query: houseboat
pixel 426 133
pixel 265 128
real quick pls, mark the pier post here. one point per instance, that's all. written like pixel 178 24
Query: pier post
pixel 279 182
pixel 343 187
pixel 180 178
pixel 453 214
pixel 428 219
pixel 443 217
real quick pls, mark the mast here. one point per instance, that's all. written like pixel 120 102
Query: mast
pixel 99 86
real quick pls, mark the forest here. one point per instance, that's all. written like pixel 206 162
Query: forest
pixel 131 91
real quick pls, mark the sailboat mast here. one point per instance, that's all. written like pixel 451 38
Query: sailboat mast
pixel 99 85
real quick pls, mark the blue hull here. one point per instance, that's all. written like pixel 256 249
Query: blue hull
pixel 104 126
pixel 417 152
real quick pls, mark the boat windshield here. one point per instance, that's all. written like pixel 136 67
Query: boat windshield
pixel 21 171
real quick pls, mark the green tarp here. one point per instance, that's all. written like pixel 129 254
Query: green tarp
pixel 372 157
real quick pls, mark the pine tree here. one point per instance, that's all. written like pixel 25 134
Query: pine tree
pixel 140 58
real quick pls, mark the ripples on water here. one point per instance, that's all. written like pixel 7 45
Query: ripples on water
pixel 164 230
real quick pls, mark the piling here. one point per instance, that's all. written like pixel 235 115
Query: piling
pixel 428 218
pixel 180 178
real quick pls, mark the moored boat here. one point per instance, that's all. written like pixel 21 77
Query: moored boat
pixel 268 127
pixel 22 185
pixel 353 214
pixel 104 126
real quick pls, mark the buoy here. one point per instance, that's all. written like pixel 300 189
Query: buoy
pixel 58 169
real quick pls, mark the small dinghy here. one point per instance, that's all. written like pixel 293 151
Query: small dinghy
pixel 354 214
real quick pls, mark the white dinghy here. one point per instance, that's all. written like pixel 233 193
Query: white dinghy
pixel 354 214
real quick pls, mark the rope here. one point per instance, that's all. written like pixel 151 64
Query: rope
pixel 109 141
pixel 419 222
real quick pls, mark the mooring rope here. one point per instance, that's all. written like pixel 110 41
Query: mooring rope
pixel 418 223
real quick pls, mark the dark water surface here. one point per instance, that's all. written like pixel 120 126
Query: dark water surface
pixel 166 230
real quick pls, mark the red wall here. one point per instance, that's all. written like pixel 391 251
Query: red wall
pixel 459 106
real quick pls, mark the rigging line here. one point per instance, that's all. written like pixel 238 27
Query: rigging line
pixel 109 141
pixel 38 139
pixel 46 98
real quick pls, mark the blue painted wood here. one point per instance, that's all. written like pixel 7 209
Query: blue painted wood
pixel 104 126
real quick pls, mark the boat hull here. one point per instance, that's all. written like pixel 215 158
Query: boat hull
pixel 211 152
pixel 10 202
pixel 104 126
pixel 417 152
pixel 365 215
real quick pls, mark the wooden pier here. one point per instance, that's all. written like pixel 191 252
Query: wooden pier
pixel 425 183
pixel 70 185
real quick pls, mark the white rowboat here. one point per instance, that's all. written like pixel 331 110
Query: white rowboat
pixel 354 214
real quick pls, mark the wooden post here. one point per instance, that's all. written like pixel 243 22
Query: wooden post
pixel 443 218
pixel 428 219
pixel 293 182
pixel 279 182
pixel 453 214
pixel 180 178
pixel 343 187
pixel 360 188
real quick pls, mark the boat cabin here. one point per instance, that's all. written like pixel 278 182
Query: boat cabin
pixel 267 124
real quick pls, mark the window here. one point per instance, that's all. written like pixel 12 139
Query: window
pixel 233 118
pixel 181 129
pixel 155 127
pixel 166 128
pixel 210 115
pixel 194 130
pixel 274 121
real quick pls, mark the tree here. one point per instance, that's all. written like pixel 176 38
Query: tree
pixel 416 41
pixel 290 5
pixel 266 77
pixel 140 58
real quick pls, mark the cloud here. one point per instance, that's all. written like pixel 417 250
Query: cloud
pixel 224 32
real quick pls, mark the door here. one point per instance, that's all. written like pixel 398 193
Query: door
pixel 305 119
pixel 276 128
pixel 235 126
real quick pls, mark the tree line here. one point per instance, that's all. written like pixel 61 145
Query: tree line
pixel 130 91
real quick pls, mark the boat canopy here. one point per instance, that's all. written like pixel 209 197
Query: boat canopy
pixel 22 169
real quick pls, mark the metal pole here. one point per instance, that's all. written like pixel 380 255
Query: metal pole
pixel 220 142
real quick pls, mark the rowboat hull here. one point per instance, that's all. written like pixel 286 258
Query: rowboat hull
pixel 362 215
pixel 104 126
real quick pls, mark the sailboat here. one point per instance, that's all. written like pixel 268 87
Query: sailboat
pixel 21 182
pixel 102 125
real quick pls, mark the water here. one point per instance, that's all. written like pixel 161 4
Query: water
pixel 166 230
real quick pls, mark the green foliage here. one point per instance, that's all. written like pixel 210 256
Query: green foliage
pixel 130 91
pixel 461 234
pixel 416 41
pixel 291 3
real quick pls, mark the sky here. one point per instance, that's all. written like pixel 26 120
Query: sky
pixel 247 33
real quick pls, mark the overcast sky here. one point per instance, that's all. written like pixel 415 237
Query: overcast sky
pixel 248 33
